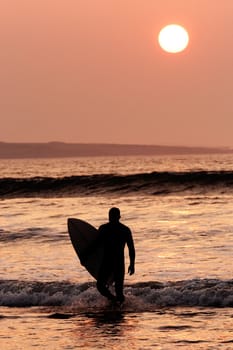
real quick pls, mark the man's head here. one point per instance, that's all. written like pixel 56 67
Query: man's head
pixel 114 214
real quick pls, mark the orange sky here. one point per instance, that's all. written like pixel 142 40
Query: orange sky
pixel 92 71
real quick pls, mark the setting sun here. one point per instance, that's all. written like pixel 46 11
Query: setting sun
pixel 173 38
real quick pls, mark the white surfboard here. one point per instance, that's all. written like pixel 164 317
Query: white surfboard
pixel 83 237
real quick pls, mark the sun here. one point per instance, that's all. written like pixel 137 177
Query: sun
pixel 173 38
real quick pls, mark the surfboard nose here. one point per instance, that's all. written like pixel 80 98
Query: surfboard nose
pixel 70 222
pixel 70 219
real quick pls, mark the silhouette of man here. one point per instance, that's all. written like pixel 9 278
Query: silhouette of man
pixel 115 236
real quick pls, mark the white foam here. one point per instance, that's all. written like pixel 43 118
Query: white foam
pixel 139 297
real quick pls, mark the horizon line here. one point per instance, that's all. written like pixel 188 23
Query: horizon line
pixel 114 144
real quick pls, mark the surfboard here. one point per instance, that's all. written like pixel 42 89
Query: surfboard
pixel 84 237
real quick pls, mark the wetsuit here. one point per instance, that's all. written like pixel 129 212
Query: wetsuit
pixel 114 236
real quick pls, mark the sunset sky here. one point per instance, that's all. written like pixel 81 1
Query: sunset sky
pixel 92 71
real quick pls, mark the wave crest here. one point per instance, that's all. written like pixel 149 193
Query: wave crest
pixel 155 183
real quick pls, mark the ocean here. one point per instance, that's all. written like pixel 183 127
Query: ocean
pixel 180 211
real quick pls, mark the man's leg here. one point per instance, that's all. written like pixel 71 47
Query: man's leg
pixel 119 284
pixel 102 283
pixel 104 290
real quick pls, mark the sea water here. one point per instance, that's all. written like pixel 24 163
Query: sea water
pixel 180 211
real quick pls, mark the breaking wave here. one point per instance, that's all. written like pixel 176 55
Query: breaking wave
pixel 146 296
pixel 155 183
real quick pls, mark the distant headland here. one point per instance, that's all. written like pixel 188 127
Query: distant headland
pixel 61 149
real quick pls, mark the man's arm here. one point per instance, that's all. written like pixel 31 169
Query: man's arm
pixel 130 244
pixel 93 246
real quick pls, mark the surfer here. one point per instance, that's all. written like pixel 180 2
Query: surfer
pixel 115 236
